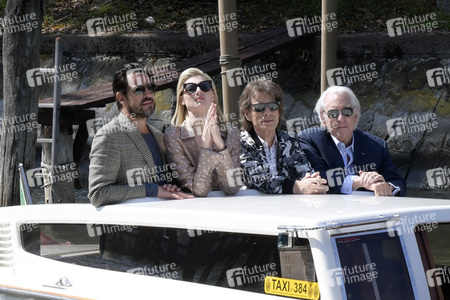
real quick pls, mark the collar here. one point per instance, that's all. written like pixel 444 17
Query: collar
pixel 264 143
pixel 337 142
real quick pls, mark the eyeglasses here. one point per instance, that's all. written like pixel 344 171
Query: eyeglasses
pixel 139 90
pixel 334 113
pixel 260 107
pixel 191 88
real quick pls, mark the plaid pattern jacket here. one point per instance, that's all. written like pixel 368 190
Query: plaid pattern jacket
pixel 121 162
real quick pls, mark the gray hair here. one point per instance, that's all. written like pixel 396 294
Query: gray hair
pixel 337 90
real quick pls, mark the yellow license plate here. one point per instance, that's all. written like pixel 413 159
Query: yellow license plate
pixel 291 288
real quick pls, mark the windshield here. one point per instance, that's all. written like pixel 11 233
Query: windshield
pixel 372 266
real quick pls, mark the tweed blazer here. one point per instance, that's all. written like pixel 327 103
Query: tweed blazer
pixel 202 170
pixel 118 149
pixel 292 163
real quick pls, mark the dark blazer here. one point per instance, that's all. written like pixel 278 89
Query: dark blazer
pixel 370 154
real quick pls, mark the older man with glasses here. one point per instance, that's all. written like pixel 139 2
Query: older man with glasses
pixel 127 158
pixel 347 157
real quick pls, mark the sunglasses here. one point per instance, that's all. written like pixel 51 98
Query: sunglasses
pixel 191 88
pixel 260 107
pixel 140 89
pixel 334 113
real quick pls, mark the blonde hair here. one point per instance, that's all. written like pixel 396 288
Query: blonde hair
pixel 180 110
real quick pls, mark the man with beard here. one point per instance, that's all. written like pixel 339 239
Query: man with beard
pixel 127 158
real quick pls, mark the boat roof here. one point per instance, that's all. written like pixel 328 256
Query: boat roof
pixel 246 212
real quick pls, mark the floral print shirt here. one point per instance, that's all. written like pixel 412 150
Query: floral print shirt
pixel 292 163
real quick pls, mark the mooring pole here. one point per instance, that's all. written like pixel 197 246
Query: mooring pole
pixel 229 57
pixel 328 43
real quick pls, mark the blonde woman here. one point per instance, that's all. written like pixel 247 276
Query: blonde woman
pixel 201 145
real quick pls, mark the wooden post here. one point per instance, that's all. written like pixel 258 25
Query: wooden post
pixel 57 165
pixel 20 107
pixel 229 48
pixel 329 43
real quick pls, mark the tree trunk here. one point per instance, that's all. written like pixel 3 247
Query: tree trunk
pixel 21 47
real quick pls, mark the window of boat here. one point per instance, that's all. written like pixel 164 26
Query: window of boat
pixel 434 247
pixel 231 260
pixel 372 266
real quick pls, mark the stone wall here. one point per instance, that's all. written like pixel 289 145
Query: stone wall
pixel 399 90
